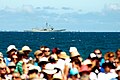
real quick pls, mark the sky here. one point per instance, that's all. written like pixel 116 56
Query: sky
pixel 72 15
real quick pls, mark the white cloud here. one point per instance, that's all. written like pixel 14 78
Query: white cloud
pixel 10 9
pixel 27 8
pixel 113 6
pixel 67 8
pixel 49 8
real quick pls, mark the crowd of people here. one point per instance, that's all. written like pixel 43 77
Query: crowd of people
pixel 55 64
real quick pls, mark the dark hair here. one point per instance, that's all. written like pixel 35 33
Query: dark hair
pixel 32 71
pixel 42 63
pixel 21 55
pixel 109 64
pixel 52 60
pixel 58 52
pixel 77 61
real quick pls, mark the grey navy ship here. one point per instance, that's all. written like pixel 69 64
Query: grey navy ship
pixel 46 29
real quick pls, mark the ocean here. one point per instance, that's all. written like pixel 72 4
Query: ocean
pixel 85 42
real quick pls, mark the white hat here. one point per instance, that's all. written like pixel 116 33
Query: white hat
pixel 11 64
pixel 11 47
pixel 73 49
pixel 58 76
pixel 92 55
pixel 49 69
pixel 1 55
pixel 73 52
pixel 43 59
pixel 32 67
pixel 63 55
pixel 87 61
pixel 25 48
pixel 118 68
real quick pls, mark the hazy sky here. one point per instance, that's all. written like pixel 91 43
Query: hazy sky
pixel 73 15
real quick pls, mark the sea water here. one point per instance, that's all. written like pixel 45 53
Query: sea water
pixel 85 42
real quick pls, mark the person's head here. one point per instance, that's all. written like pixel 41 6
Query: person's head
pixel 53 58
pixel 54 50
pixel 109 56
pixel 118 53
pixel 42 62
pixel 11 67
pixel 88 63
pixel 98 53
pixel 84 70
pixel 46 52
pixel 74 73
pixel 117 62
pixel 38 54
pixel 26 50
pixel 63 55
pixel 33 71
pixel 74 53
pixel 14 55
pixel 12 51
pixel 1 57
pixel 50 70
pixel 21 56
pixel 108 66
pixel 76 63
pixel 16 76
pixel 3 68
pixel 42 48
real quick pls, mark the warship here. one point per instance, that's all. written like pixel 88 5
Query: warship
pixel 48 28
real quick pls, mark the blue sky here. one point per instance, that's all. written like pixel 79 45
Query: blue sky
pixel 73 15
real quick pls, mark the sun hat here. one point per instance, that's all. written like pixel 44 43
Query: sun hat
pixel 25 48
pixel 93 55
pixel 86 62
pixel 11 64
pixel 63 55
pixel 74 52
pixel 49 69
pixel 33 67
pixel 36 53
pixel 42 61
pixel 58 76
pixel 118 68
pixel 11 47
pixel 1 55
pixel 73 49
pixel 84 68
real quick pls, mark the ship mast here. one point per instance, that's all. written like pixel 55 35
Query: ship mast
pixel 46 24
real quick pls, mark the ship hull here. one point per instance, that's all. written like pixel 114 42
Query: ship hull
pixel 62 30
